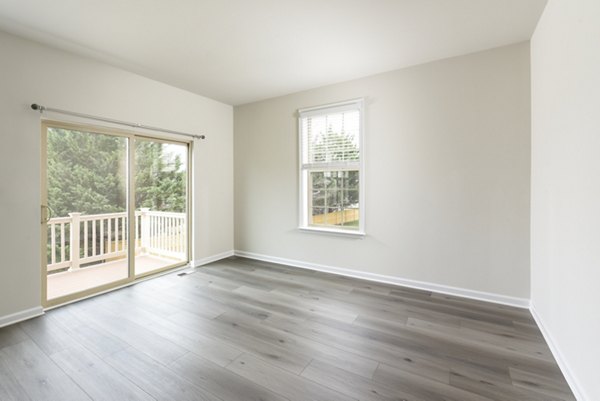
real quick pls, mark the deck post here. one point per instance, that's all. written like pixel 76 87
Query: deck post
pixel 145 228
pixel 74 240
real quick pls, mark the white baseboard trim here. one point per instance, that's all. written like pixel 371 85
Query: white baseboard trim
pixel 20 316
pixel 380 278
pixel 576 387
pixel 212 258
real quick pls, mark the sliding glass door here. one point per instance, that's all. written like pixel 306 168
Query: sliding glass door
pixel 161 202
pixel 98 186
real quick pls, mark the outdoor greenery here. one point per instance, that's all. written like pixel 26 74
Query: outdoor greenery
pixel 160 178
pixel 88 173
pixel 334 190
pixel 335 146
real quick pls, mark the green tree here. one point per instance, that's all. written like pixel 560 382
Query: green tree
pixel 334 147
pixel 87 174
pixel 160 178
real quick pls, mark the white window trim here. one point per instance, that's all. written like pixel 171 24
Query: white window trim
pixel 353 104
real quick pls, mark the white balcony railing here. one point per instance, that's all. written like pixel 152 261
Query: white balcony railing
pixel 83 239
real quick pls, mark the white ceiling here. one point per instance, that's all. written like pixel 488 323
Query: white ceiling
pixel 239 51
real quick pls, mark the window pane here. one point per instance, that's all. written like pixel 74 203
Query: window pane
pixel 335 199
pixel 318 179
pixel 352 181
pixel 318 198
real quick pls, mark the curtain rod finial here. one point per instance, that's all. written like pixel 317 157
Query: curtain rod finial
pixel 36 106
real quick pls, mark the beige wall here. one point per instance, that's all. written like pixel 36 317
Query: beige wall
pixel 447 174
pixel 565 202
pixel 33 73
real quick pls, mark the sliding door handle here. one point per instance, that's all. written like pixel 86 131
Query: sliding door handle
pixel 46 213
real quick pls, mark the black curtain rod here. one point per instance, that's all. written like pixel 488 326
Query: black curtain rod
pixel 41 109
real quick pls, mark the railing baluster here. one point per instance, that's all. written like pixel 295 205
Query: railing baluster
pixel 93 237
pixel 167 236
pixel 183 235
pixel 178 238
pixel 74 240
pixel 174 236
pixel 101 236
pixel 162 232
pixel 170 233
pixel 62 242
pixel 85 239
pixel 152 231
pixel 157 231
pixel 174 240
pixel 108 244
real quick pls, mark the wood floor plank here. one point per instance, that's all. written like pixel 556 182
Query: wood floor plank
pixel 157 380
pixel 540 384
pixel 353 385
pixel 49 337
pixel 310 307
pixel 493 386
pixel 276 354
pixel 10 389
pixel 302 346
pixel 39 377
pixel 514 344
pixel 77 332
pixel 133 334
pixel 292 387
pixel 98 379
pixel 10 335
pixel 221 382
pixel 427 389
pixel 212 349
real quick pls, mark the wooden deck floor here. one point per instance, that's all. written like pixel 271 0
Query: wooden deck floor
pixel 239 330
pixel 65 283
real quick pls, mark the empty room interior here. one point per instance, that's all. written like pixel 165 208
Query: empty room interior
pixel 284 200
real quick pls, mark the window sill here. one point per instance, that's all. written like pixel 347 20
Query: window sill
pixel 333 231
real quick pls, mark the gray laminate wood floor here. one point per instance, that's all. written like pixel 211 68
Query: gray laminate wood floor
pixel 240 330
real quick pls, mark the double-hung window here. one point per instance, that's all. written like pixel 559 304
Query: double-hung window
pixel 331 172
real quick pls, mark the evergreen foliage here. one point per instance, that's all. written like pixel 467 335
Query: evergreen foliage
pixel 88 173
